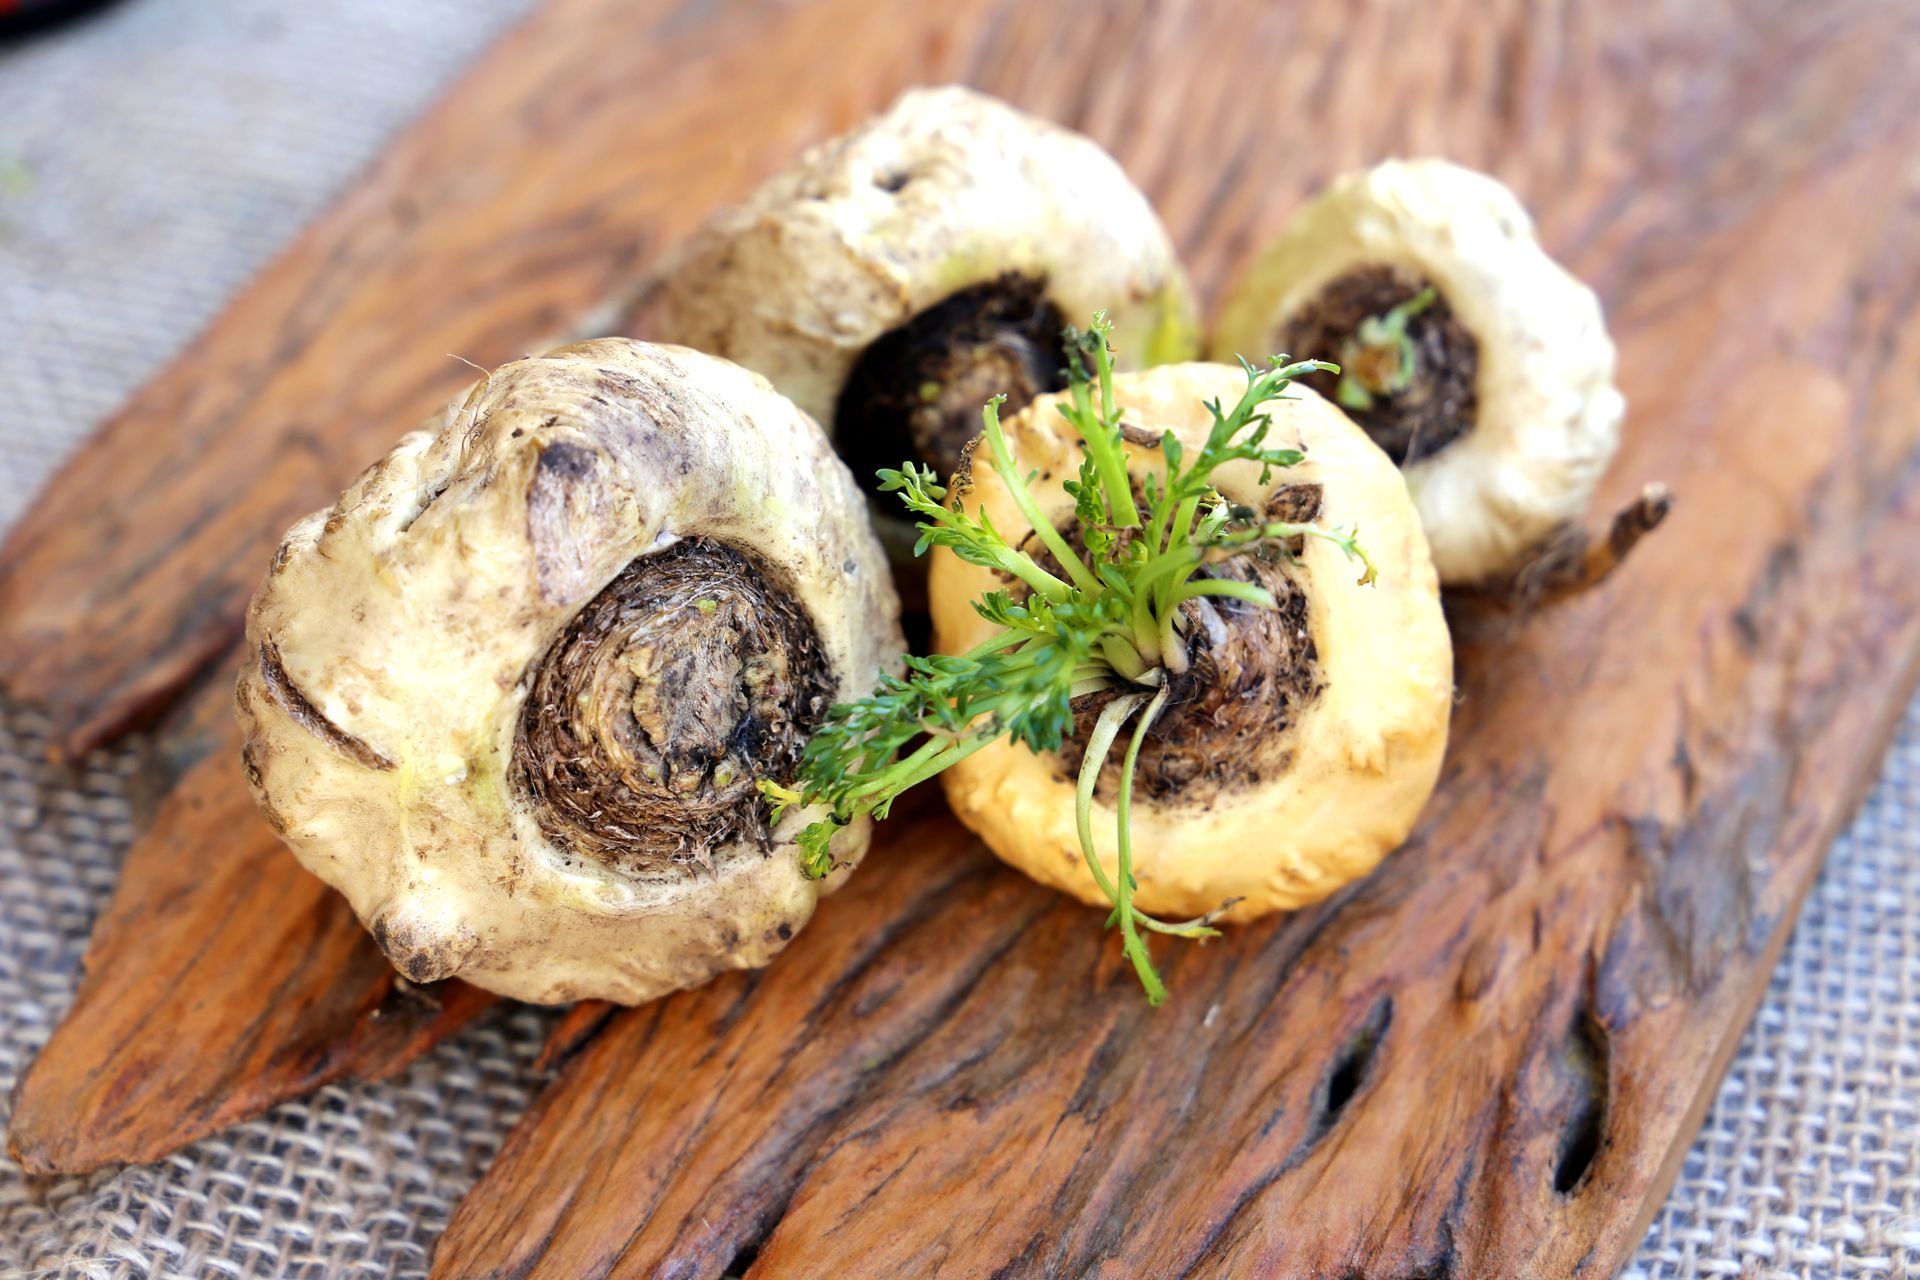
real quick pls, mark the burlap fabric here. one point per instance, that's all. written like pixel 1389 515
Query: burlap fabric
pixel 150 162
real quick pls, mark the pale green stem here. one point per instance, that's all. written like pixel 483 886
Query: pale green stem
pixel 1280 532
pixel 1247 591
pixel 1003 462
pixel 1099 743
pixel 1099 746
pixel 994 644
pixel 1173 654
pixel 1111 457
pixel 954 751
pixel 1135 948
pixel 1182 523
pixel 1147 634
pixel 1022 566
pixel 1197 927
pixel 1122 656
pixel 931 749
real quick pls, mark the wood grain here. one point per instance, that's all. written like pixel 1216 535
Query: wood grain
pixel 222 979
pixel 1487 1059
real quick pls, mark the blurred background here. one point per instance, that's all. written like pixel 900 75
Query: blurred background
pixel 154 156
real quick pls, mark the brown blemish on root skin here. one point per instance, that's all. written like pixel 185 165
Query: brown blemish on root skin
pixel 561 498
pixel 420 954
pixel 289 697
pixel 256 782
pixel 649 721
pixel 918 390
pixel 1440 405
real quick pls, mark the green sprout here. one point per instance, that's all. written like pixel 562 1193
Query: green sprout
pixel 1380 358
pixel 1108 618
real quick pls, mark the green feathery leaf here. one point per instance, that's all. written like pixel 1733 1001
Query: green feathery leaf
pixel 1103 615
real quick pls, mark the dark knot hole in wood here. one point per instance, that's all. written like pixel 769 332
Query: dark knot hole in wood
pixel 1584 1076
pixel 743 1260
pixel 1347 1074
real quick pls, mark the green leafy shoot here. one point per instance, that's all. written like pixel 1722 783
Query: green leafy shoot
pixel 1380 358
pixel 1103 617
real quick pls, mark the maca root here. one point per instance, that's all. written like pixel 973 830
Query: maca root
pixel 512 693
pixel 917 390
pixel 1163 611
pixel 1438 403
pixel 647 723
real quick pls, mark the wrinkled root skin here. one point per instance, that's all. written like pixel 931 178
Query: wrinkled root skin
pixel 1439 407
pixel 684 680
pixel 917 390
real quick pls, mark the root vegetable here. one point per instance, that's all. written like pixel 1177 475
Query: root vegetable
pixel 1477 362
pixel 895 277
pixel 1166 564
pixel 512 693
pixel 1301 739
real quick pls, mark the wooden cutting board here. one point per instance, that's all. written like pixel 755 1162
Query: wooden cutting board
pixel 1484 1061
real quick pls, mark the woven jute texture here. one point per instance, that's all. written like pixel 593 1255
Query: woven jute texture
pixel 150 162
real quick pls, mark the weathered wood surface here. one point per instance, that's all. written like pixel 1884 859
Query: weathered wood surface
pixel 1487 1059
pixel 222 979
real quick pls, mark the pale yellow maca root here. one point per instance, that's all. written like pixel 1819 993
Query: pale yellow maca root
pixel 1539 417
pixel 512 693
pixel 1302 741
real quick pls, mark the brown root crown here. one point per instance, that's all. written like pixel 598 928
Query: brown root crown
pixel 648 722
pixel 917 390
pixel 1251 671
pixel 1439 405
